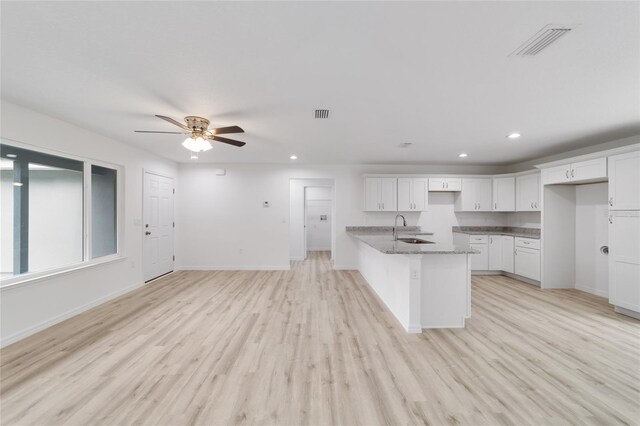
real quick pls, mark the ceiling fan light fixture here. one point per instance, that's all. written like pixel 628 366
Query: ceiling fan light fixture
pixel 198 144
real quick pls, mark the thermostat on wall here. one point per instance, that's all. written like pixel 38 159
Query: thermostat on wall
pixel 265 204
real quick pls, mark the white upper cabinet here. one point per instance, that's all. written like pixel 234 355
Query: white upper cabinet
pixel 445 184
pixel 558 174
pixel 578 172
pixel 624 181
pixel 528 193
pixel 475 196
pixel 504 194
pixel 413 194
pixel 381 194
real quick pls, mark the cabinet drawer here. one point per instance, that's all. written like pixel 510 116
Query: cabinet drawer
pixel 478 239
pixel 528 243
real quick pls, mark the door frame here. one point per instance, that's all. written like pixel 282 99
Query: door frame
pixel 304 200
pixel 173 208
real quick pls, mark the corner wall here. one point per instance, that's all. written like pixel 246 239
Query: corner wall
pixel 30 307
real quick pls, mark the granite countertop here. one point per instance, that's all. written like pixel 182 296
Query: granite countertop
pixel 380 238
pixel 498 230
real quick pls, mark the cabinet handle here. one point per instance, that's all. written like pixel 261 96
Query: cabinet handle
pixel 515 252
pixel 611 201
pixel 442 185
pixel 611 219
pixel 446 185
pixel 532 204
pixel 495 206
pixel 382 206
pixel 567 173
pixel 572 170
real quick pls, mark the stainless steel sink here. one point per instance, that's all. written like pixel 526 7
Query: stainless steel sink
pixel 414 241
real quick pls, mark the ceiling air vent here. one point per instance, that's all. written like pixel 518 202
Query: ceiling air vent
pixel 322 113
pixel 541 40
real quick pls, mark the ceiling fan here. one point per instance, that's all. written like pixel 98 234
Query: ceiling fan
pixel 198 128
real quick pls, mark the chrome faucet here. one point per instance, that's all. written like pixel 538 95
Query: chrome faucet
pixel 395 228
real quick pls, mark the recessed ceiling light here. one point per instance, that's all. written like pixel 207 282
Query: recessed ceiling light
pixel 514 135
pixel 294 157
pixel 11 155
pixel 462 155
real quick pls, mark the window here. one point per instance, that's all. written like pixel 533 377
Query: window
pixel 104 216
pixel 43 211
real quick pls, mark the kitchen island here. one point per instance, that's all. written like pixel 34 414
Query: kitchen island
pixel 424 285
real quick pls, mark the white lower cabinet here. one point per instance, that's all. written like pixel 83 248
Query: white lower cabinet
pixel 527 261
pixel 624 259
pixel 480 261
pixel 507 253
pixel 495 252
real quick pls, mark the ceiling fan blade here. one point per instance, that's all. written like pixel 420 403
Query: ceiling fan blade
pixel 229 129
pixel 153 131
pixel 172 121
pixel 226 140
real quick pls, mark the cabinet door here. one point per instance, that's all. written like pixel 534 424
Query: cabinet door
pixel 624 181
pixel 465 199
pixel 453 184
pixel 480 261
pixel 420 194
pixel 388 194
pixel 504 194
pixel 589 170
pixel 624 260
pixel 507 253
pixel 372 194
pixel 437 184
pixel 483 194
pixel 558 174
pixel 527 263
pixel 405 192
pixel 528 193
pixel 495 252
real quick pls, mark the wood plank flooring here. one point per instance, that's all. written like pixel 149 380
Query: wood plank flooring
pixel 315 346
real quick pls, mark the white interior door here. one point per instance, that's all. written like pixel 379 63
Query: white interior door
pixel 158 225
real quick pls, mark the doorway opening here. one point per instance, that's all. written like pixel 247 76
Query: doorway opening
pixel 312 212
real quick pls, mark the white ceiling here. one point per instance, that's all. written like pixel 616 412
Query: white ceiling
pixel 436 74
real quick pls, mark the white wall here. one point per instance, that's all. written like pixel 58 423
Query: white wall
pixel 27 308
pixel 592 233
pixel 230 228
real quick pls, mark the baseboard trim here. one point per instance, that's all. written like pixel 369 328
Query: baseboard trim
pixel 5 341
pixel 627 312
pixel 592 290
pixel 234 268
pixel 345 268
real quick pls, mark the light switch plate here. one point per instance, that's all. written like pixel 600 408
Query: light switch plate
pixel 265 204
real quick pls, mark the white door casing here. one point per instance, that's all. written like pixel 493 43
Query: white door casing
pixel 158 225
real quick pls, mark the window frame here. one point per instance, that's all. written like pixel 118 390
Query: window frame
pixel 87 260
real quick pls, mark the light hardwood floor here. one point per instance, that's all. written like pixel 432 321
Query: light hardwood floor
pixel 315 346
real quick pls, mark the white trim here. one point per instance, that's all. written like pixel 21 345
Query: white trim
pixel 627 312
pixel 233 268
pixel 296 258
pixel 29 278
pixel 591 290
pixel 413 328
pixel 71 313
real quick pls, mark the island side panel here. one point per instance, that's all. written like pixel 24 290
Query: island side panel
pixel 388 276
pixel 446 291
